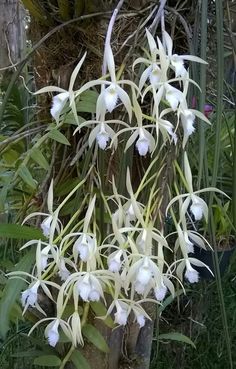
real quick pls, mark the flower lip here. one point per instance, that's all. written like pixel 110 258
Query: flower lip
pixel 110 97
pixel 46 226
pixel 121 315
pixel 29 297
pixel 52 333
pixel 191 274
pixel 160 292
pixel 102 137
pixel 143 143
pixel 58 103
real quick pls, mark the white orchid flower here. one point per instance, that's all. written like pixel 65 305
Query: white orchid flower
pixel 160 291
pixel 145 142
pixel 141 274
pixel 102 132
pixel 123 309
pixel 110 95
pixel 29 297
pixel 191 274
pixel 85 246
pixel 154 72
pixel 59 101
pixel 187 117
pixel 122 312
pixel 75 324
pixel 89 288
pixel 63 272
pixel 198 206
pixel 163 125
pixel 51 331
pixel 173 96
pixel 51 223
pixel 177 61
pixel 114 261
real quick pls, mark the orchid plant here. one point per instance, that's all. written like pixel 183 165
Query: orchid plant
pixel 129 264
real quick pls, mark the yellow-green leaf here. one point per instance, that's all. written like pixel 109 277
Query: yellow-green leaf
pixel 47 360
pixel 39 158
pixel 175 336
pixel 54 134
pixel 100 310
pixel 79 360
pixel 26 176
pixel 95 337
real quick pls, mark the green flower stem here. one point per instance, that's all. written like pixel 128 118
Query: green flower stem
pixel 83 322
pixel 67 357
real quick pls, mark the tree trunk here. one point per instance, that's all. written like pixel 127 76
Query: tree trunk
pixel 12 32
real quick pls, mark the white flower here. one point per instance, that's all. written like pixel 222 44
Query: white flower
pixel 141 240
pixel 52 334
pixel 102 137
pixel 46 225
pixel 58 103
pixel 144 142
pixel 188 243
pixel 89 288
pixel 85 246
pixel 160 292
pixel 122 313
pixel 173 96
pixel 142 146
pixel 178 64
pixel 130 213
pixel 191 274
pixel 111 97
pixel 177 61
pixel 140 320
pixel 154 73
pixel 29 297
pixel 187 120
pixel 114 262
pixel 84 289
pixel 198 207
pixel 143 277
pixel 44 257
pixel 63 271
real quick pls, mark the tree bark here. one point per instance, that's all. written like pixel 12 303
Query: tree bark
pixel 12 32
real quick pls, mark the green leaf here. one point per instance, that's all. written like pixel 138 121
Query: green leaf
pixel 87 102
pixel 66 186
pixel 100 310
pixel 95 337
pixel 175 336
pixel 26 176
pixel 47 360
pixel 12 290
pixel 79 360
pixel 54 134
pixel 20 232
pixel 10 157
pixel 39 158
pixel 29 353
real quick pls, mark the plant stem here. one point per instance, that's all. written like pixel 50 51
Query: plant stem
pixel 202 139
pixel 219 110
pixel 67 357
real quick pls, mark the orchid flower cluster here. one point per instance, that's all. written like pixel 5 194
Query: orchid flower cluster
pixel 73 264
